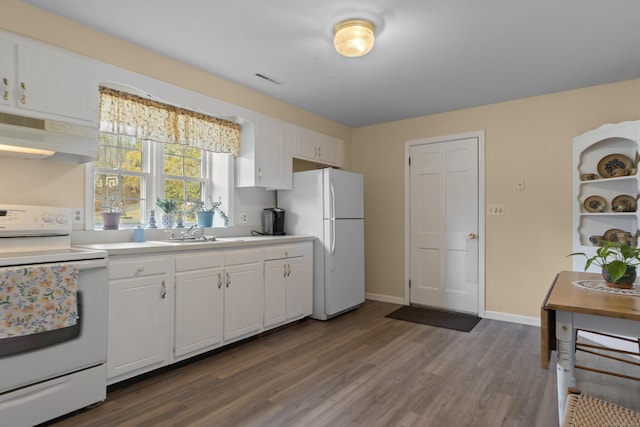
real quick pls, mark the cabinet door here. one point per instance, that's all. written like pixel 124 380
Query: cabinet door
pixel 242 300
pixel 198 310
pixel 294 293
pixel 330 150
pixel 55 82
pixel 7 71
pixel 306 144
pixel 275 292
pixel 139 318
pixel 274 139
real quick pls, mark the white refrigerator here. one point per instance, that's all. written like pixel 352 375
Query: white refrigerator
pixel 329 204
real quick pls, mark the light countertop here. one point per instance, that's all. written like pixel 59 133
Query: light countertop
pixel 155 246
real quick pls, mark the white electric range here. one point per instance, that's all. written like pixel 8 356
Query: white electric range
pixel 49 374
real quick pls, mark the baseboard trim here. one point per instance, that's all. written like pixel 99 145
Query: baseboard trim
pixel 512 318
pixel 384 298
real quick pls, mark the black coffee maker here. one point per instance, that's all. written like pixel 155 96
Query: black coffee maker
pixel 273 222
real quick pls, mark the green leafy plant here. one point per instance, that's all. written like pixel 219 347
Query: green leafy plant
pixel 167 205
pixel 614 258
pixel 200 206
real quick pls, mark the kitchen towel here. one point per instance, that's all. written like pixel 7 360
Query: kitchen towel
pixel 37 298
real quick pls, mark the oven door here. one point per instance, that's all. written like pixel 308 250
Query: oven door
pixel 80 348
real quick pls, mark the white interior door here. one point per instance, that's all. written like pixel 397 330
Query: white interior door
pixel 444 219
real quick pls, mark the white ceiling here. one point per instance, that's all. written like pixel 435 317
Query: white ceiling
pixel 430 56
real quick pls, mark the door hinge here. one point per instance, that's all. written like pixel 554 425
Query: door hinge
pixel 409 161
pixel 409 283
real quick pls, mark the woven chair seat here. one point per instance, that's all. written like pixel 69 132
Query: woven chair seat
pixel 583 410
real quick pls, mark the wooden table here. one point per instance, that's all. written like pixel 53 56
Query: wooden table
pixel 567 308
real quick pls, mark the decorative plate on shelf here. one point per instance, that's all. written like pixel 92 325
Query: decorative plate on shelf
pixel 614 165
pixel 594 204
pixel 623 203
pixel 610 234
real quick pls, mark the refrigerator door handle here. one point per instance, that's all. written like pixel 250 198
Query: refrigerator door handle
pixel 332 201
pixel 333 237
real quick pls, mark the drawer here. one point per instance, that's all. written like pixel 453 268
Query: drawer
pixel 242 257
pixel 199 261
pixel 120 269
pixel 283 251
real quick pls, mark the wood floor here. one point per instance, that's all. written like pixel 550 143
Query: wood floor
pixel 360 369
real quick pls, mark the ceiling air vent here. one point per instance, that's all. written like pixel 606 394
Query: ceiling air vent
pixel 267 78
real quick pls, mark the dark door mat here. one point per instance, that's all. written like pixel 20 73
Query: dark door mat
pixel 440 318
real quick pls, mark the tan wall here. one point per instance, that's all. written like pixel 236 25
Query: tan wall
pixel 528 138
pixel 47 182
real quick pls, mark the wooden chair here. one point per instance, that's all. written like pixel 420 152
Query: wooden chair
pixel 583 410
pixel 611 353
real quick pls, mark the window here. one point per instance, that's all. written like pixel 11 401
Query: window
pixel 149 150
pixel 182 177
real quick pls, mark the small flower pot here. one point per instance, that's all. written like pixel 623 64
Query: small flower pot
pixel 167 219
pixel 111 220
pixel 205 219
pixel 625 282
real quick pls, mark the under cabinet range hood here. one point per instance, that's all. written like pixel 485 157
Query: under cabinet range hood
pixel 31 138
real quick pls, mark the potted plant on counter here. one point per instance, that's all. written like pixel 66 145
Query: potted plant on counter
pixel 206 211
pixel 618 262
pixel 168 206
pixel 111 209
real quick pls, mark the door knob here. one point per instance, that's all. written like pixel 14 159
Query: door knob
pixel 472 236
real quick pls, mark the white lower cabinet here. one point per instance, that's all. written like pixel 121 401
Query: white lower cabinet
pixel 243 293
pixel 287 273
pixel 139 316
pixel 199 303
pixel 165 308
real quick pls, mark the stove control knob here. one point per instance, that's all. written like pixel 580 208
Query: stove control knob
pixel 61 218
pixel 47 217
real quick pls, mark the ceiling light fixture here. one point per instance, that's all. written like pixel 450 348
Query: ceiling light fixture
pixel 354 37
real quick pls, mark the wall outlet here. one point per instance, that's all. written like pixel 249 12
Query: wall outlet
pixel 495 209
pixel 77 218
pixel 242 218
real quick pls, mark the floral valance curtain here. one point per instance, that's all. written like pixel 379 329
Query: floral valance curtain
pixel 132 115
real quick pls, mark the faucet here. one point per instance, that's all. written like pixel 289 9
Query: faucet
pixel 198 233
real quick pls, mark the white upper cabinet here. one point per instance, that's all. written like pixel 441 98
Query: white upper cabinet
pixel 318 147
pixel 7 70
pixel 265 160
pixel 44 81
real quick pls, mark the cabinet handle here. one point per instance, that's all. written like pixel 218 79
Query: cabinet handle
pixel 140 269
pixel 219 280
pixel 23 98
pixel 163 290
pixel 319 152
pixel 288 270
pixel 228 279
pixel 5 95
pixel 284 270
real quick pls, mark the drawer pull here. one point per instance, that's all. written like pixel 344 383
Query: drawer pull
pixel 163 290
